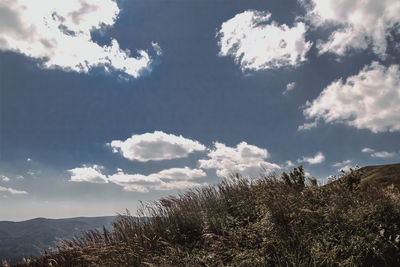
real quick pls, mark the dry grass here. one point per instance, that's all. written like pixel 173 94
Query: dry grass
pixel 272 220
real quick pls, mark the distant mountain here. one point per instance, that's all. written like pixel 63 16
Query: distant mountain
pixel 33 236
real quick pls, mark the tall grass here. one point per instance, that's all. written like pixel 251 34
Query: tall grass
pixel 274 221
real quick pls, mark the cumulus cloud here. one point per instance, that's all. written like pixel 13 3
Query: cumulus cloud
pixel 256 43
pixel 133 182
pixel 12 191
pixel 155 146
pixel 369 100
pixel 358 24
pixel 289 87
pixel 384 154
pixel 248 160
pixel 58 34
pixel 168 179
pixel 4 178
pixel 180 173
pixel 317 159
pixel 88 173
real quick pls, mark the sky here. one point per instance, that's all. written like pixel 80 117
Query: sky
pixel 104 103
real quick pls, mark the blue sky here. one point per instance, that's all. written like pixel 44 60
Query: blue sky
pixel 207 88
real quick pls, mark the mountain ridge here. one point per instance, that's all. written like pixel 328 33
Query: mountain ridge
pixel 31 237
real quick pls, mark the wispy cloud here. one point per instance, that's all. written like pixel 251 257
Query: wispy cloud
pixel 344 166
pixel 289 87
pixel 379 154
pixel 12 191
pixel 367 150
pixel 343 163
pixel 384 154
pixel 307 126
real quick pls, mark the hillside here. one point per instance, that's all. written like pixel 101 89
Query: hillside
pixel 31 237
pixel 269 221
pixel 380 175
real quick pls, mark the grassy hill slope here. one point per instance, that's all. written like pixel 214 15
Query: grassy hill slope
pixel 381 175
pixel 270 221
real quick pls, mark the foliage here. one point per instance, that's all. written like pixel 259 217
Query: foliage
pixel 250 222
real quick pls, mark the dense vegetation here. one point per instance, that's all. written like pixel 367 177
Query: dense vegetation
pixel 285 221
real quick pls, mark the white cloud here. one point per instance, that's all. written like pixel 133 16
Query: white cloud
pixel 307 126
pixel 317 159
pixel 12 191
pixel 367 150
pixel 168 179
pixel 88 173
pixel 257 44
pixel 122 179
pixel 358 23
pixel 369 100
pixel 155 146
pixel 20 177
pixel 289 164
pixel 177 185
pixel 4 178
pixel 344 166
pixel 180 173
pixel 384 154
pixel 28 159
pixel 57 33
pixel 289 87
pixel 245 159
pixel 33 172
pixel 157 48
pixel 341 164
pixel 135 188
pixel 379 154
